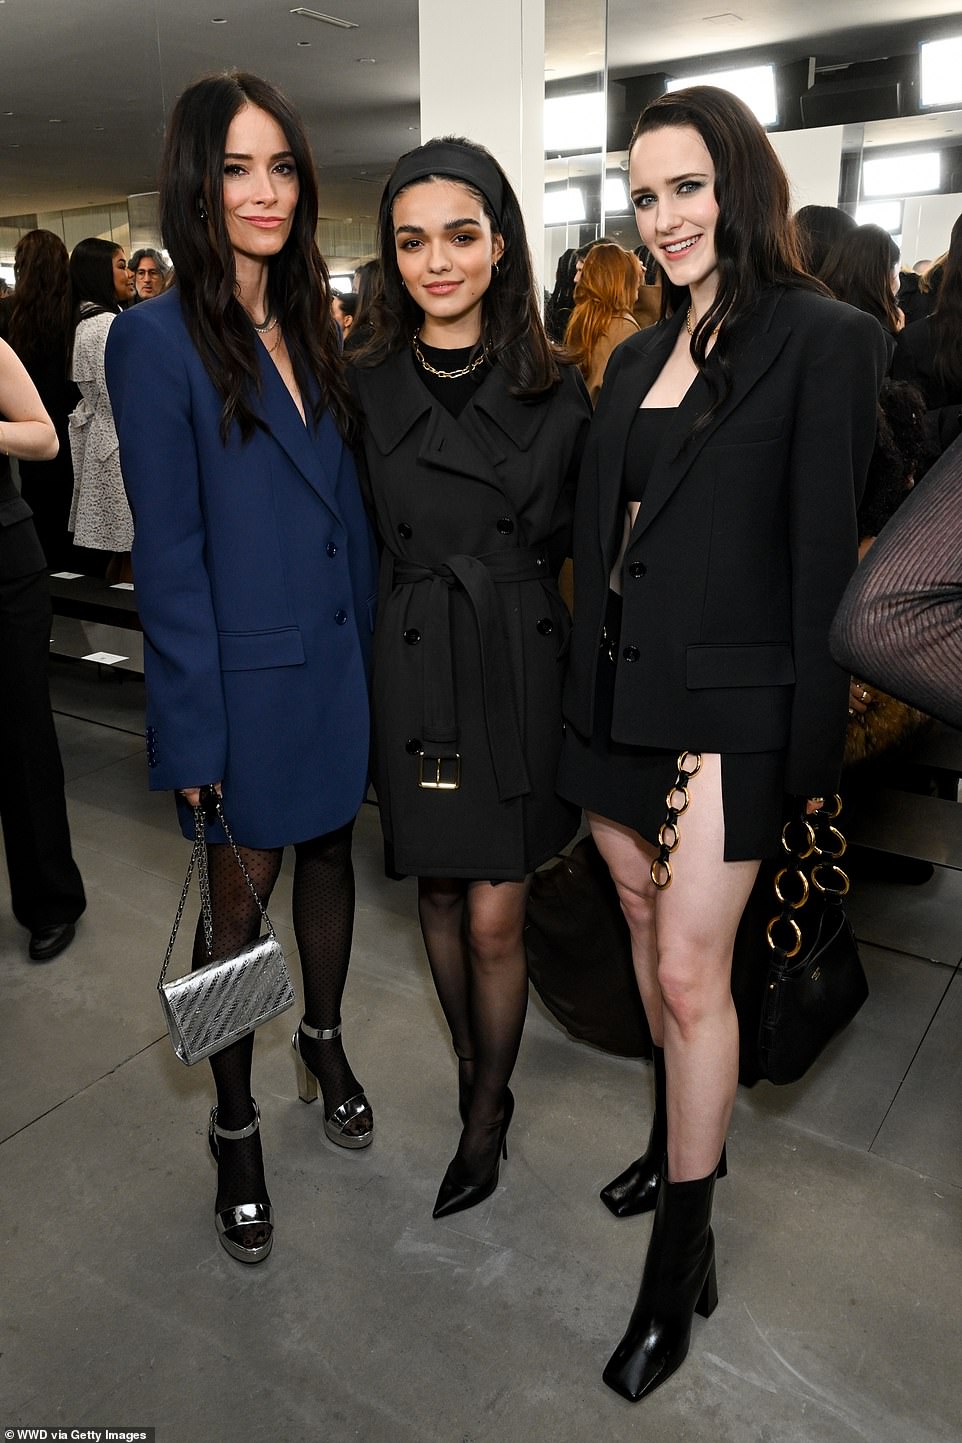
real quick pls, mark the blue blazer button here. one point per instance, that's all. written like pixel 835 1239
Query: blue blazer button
pixel 340 616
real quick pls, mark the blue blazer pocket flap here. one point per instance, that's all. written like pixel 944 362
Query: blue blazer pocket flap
pixel 757 664
pixel 256 650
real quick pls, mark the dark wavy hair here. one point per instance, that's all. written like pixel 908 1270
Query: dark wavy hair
pixel 818 227
pixel 946 318
pixel 512 332
pixel 41 317
pixel 92 276
pixel 755 240
pixel 195 235
pixel 858 269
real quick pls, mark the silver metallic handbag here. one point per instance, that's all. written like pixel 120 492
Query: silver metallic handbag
pixel 224 1000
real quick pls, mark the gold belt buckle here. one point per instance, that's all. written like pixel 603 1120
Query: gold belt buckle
pixel 439 774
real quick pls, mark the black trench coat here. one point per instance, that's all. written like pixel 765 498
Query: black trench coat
pixel 474 515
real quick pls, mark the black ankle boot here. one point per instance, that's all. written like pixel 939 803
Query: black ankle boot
pixel 678 1281
pixel 635 1190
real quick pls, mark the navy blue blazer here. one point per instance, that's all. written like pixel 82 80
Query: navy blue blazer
pixel 255 575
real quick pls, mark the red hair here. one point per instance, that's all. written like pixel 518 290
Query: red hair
pixel 608 287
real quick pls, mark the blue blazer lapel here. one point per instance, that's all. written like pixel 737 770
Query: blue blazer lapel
pixel 315 449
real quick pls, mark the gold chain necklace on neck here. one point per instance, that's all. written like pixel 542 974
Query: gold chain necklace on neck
pixel 691 329
pixel 267 324
pixel 444 375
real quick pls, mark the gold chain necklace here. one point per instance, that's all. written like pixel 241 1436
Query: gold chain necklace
pixel 444 375
pixel 690 328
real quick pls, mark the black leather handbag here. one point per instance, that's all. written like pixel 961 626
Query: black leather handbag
pixel 816 983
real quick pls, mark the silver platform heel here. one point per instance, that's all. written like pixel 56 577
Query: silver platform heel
pixel 344 1125
pixel 230 1220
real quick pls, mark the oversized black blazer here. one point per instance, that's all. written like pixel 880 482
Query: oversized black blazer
pixel 743 543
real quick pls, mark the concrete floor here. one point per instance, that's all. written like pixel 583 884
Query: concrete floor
pixel 839 1227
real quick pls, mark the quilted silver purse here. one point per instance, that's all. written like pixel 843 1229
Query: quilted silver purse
pixel 223 1000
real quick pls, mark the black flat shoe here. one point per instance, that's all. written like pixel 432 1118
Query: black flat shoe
pixel 455 1196
pixel 49 942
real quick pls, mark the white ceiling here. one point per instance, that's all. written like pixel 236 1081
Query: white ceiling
pixel 90 82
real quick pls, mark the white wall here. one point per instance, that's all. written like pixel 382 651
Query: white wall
pixel 813 162
pixel 927 222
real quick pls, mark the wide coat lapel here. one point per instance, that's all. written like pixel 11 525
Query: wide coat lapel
pixel 395 401
pixel 315 448
pixel 757 351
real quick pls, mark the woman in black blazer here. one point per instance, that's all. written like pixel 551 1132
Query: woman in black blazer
pixel 714 534
pixel 929 352
pixel 472 438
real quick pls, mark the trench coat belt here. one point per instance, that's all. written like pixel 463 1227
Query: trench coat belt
pixel 478 577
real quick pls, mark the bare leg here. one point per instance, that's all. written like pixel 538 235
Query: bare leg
pixel 629 858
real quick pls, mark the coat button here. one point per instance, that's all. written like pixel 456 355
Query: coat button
pixel 546 626
pixel 412 636
pixel 413 746
pixel 340 616
pixel 637 568
pixel 331 549
pixel 405 531
pixel 505 525
pixel 631 653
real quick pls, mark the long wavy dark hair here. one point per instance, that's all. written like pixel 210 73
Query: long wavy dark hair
pixel 41 317
pixel 195 234
pixel 946 319
pixel 92 277
pixel 512 332
pixel 858 269
pixel 755 240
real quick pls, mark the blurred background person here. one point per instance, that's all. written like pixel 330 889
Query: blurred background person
pixel 817 229
pixel 862 269
pixel 602 318
pixel 344 309
pixel 45 887
pixel 150 272
pixel 367 283
pixel 560 302
pixel 99 514
pixel 929 351
pixel 37 321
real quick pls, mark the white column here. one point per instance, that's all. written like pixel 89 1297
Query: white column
pixel 482 77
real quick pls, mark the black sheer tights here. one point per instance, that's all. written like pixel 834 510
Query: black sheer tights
pixel 323 915
pixel 473 937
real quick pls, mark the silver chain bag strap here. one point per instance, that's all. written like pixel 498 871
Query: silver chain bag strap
pixel 216 1004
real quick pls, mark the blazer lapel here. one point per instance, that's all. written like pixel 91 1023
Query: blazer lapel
pixel 314 449
pixel 682 446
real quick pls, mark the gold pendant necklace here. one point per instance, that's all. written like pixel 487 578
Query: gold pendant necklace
pixel 444 375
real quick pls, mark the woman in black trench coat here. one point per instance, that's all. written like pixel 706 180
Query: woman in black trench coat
pixel 472 434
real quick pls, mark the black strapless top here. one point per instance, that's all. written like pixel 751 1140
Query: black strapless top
pixel 645 439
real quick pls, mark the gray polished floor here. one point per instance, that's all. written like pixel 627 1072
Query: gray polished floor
pixel 839 1227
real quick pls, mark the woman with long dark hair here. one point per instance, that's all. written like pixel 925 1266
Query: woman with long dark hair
pixel 99 514
pixel 602 317
pixel 714 534
pixel 862 269
pixel 40 330
pixel 929 352
pixel 255 580
pixel 472 431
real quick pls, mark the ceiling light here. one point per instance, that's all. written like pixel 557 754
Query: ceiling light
pixel 616 195
pixel 564 207
pixel 886 213
pixel 755 84
pixel 574 122
pixel 940 72
pixel 902 174
pixel 325 19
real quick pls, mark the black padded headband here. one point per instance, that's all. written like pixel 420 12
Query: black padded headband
pixel 454 162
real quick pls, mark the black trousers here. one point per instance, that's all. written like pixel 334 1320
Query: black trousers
pixel 45 886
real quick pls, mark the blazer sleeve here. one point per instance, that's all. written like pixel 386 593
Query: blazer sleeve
pixel 834 435
pixel 900 621
pixel 187 722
